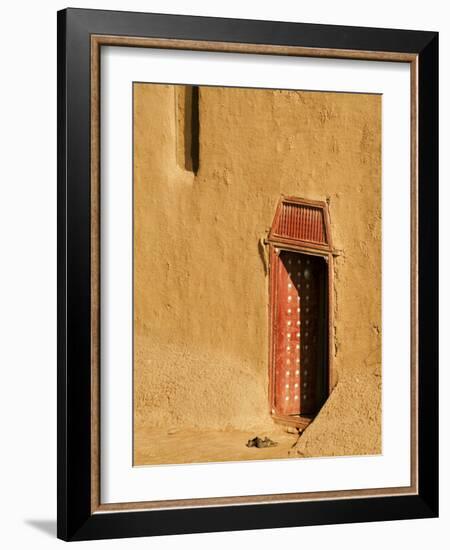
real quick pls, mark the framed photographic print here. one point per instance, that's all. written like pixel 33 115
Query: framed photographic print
pixel 247 257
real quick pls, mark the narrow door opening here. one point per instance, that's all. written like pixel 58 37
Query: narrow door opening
pixel 301 354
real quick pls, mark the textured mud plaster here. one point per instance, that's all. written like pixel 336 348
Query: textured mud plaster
pixel 200 274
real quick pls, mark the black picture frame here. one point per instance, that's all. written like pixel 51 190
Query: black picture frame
pixel 75 518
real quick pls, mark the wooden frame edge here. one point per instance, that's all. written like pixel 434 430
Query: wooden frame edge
pixel 110 40
pixel 414 276
pixel 257 499
pixel 234 47
pixel 95 273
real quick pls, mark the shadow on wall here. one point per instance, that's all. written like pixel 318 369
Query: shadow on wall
pixel 262 251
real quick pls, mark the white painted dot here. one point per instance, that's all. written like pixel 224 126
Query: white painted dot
pixel 289 323
pixel 305 372
pixel 306 346
pixel 288 348
pixel 289 335
pixel 305 384
pixel 306 334
pixel 297 372
pixel 296 397
pixel 304 396
pixel 297 360
pixel 289 261
pixel 298 261
pixel 287 385
pixel 297 346
pixel 289 285
pixel 289 311
pixel 289 298
pixel 307 310
pixel 296 386
pixel 298 335
pixel 298 323
pixel 287 373
pixel 287 397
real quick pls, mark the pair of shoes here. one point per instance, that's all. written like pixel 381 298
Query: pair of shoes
pixel 261 443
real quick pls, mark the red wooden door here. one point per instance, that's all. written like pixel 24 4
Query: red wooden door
pixel 299 333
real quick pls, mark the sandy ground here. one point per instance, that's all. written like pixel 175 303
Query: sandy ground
pixel 178 446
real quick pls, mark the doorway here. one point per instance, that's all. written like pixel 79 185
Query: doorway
pixel 300 279
pixel 300 334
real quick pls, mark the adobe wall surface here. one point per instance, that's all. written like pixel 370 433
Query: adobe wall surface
pixel 200 275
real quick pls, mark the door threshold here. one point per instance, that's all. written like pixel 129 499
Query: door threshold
pixel 301 422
